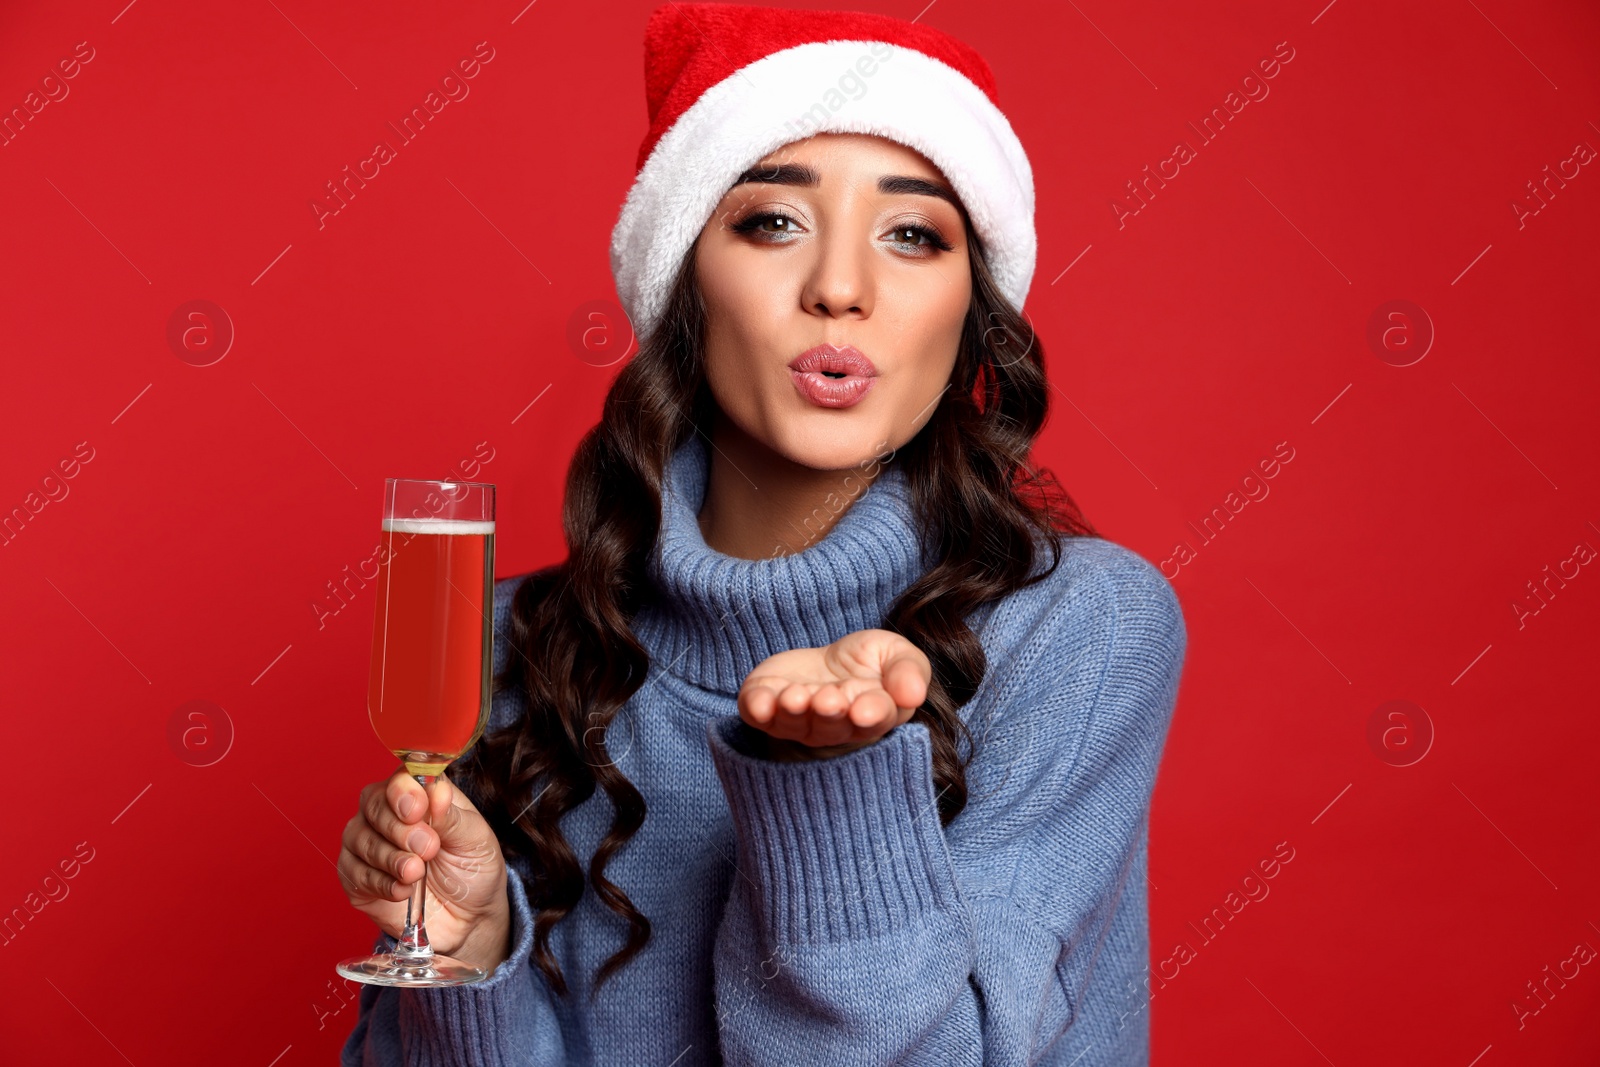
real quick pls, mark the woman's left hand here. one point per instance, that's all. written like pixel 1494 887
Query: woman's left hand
pixel 839 698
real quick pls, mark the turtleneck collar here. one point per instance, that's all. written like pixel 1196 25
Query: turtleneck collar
pixel 715 616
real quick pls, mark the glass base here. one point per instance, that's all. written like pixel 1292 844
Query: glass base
pixel 418 972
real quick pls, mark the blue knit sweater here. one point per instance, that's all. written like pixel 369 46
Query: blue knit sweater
pixel 817 912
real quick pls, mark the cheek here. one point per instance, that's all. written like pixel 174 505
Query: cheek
pixel 919 396
pixel 730 379
pixel 741 386
pixel 745 297
pixel 931 332
pixel 741 291
pixel 932 298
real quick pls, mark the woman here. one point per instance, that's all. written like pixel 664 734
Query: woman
pixel 832 739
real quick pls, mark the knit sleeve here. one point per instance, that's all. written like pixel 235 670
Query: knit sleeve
pixel 860 931
pixel 506 1020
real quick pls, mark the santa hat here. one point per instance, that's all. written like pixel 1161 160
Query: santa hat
pixel 727 84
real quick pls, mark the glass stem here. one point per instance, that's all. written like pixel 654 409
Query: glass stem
pixel 414 938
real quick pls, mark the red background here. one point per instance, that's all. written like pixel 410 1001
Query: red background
pixel 1227 316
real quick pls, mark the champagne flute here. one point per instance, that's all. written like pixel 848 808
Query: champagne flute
pixel 428 693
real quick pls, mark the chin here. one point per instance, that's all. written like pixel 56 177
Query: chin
pixel 834 448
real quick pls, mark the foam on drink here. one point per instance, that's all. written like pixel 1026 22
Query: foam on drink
pixel 456 527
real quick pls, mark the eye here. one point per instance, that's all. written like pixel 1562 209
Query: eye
pixel 921 237
pixel 756 223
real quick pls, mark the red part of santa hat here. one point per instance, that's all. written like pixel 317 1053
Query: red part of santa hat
pixel 727 84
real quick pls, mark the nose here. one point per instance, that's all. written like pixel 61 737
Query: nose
pixel 840 282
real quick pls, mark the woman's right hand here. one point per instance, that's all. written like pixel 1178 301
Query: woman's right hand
pixel 385 844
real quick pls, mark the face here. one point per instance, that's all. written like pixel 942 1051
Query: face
pixel 837 240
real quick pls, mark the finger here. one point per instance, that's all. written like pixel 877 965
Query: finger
pixel 368 846
pixel 380 804
pixel 792 718
pixel 795 698
pixel 758 703
pixel 453 820
pixel 830 702
pixel 871 710
pixel 906 676
pixel 351 888
pixel 406 796
pixel 368 881
pixel 441 793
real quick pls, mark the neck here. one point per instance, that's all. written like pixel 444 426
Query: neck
pixel 715 616
pixel 760 504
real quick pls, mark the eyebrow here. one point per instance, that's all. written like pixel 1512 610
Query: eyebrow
pixel 804 174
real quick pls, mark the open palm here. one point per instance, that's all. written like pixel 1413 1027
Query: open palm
pixel 849 693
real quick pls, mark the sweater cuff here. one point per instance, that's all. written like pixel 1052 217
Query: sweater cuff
pixel 464 1024
pixel 838 849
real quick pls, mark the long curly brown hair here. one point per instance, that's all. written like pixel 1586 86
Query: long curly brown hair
pixel 972 488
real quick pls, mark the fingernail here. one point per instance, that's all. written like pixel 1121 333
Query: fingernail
pixel 407 802
pixel 417 841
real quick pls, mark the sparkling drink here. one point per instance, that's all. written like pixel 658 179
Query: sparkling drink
pixel 431 639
